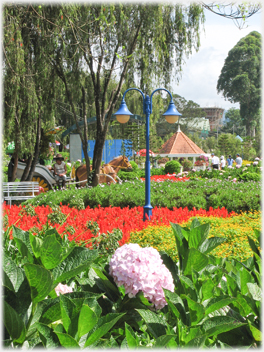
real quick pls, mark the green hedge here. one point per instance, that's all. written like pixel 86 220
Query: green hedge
pixel 239 196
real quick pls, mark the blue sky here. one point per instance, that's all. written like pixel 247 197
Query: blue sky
pixel 202 69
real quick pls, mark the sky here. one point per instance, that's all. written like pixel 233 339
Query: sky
pixel 202 69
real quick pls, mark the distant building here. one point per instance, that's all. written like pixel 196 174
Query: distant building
pixel 215 116
pixel 195 123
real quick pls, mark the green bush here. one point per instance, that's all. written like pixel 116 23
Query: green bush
pixel 172 167
pixel 134 165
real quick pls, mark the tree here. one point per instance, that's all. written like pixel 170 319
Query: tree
pixel 240 79
pixel 224 144
pixel 123 42
pixel 28 85
pixel 237 12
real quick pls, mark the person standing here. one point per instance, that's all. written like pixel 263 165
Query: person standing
pixel 60 170
pixel 238 160
pixel 230 161
pixel 222 162
pixel 215 161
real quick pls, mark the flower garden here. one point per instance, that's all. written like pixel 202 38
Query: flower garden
pixel 82 269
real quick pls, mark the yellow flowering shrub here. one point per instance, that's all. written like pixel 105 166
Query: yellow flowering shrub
pixel 235 229
pixel 245 162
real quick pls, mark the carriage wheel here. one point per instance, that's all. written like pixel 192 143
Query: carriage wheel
pixel 42 183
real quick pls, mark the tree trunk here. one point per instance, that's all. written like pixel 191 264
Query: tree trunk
pixel 27 168
pixel 37 149
pixel 85 136
pixel 97 156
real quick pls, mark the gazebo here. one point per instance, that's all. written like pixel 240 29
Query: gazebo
pixel 179 145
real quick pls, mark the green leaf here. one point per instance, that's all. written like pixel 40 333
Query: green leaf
pixel 68 311
pixel 40 281
pixel 187 282
pixel 163 340
pixel 176 304
pixel 218 325
pixel 155 326
pixel 103 325
pixel 14 324
pixel 77 261
pixel 197 235
pixel 50 253
pixel 198 341
pixel 143 299
pixel 110 289
pixel 7 282
pixel 216 303
pixel 130 337
pixel 211 243
pixel 196 261
pixel 36 244
pixel 47 336
pixel 253 246
pixel 256 333
pixel 23 250
pixel 13 272
pixel 255 291
pixel 23 236
pixel 87 320
pixel 196 311
pixel 67 341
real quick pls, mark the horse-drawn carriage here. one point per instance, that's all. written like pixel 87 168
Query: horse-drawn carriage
pixel 46 178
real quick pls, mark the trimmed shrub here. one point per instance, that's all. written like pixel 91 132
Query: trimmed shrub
pixel 172 167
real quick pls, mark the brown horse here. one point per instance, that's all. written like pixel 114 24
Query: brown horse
pixel 111 169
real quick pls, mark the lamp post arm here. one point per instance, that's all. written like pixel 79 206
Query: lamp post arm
pixel 155 92
pixel 134 89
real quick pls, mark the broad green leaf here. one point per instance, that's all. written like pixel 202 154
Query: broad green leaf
pixel 170 264
pixel 211 243
pixel 77 261
pixel 47 336
pixel 143 299
pixel 220 324
pixel 7 282
pixel 23 236
pixel 196 311
pixel 197 235
pixel 196 261
pixel 232 286
pixel 68 311
pixel 207 288
pixel 40 281
pixel 245 278
pixel 155 326
pixel 253 245
pixel 176 304
pixel 216 303
pixel 23 250
pixel 67 341
pixel 187 282
pixel 181 244
pixel 36 244
pixel 255 291
pixel 255 332
pixel 105 283
pixel 130 337
pixel 50 253
pixel 163 340
pixel 13 272
pixel 87 320
pixel 103 325
pixel 197 342
pixel 195 223
pixel 14 324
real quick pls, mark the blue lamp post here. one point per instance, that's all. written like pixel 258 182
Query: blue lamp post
pixel 123 115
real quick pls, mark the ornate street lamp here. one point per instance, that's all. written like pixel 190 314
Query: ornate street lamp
pixel 123 115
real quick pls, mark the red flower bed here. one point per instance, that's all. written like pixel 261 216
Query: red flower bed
pixel 125 219
pixel 161 178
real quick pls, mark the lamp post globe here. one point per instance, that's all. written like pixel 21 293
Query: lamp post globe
pixel 171 116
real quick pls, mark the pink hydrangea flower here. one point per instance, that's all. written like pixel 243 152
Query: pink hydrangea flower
pixel 238 166
pixel 141 269
pixel 255 163
pixel 62 289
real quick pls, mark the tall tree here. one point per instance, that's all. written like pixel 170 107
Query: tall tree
pixel 133 42
pixel 240 79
